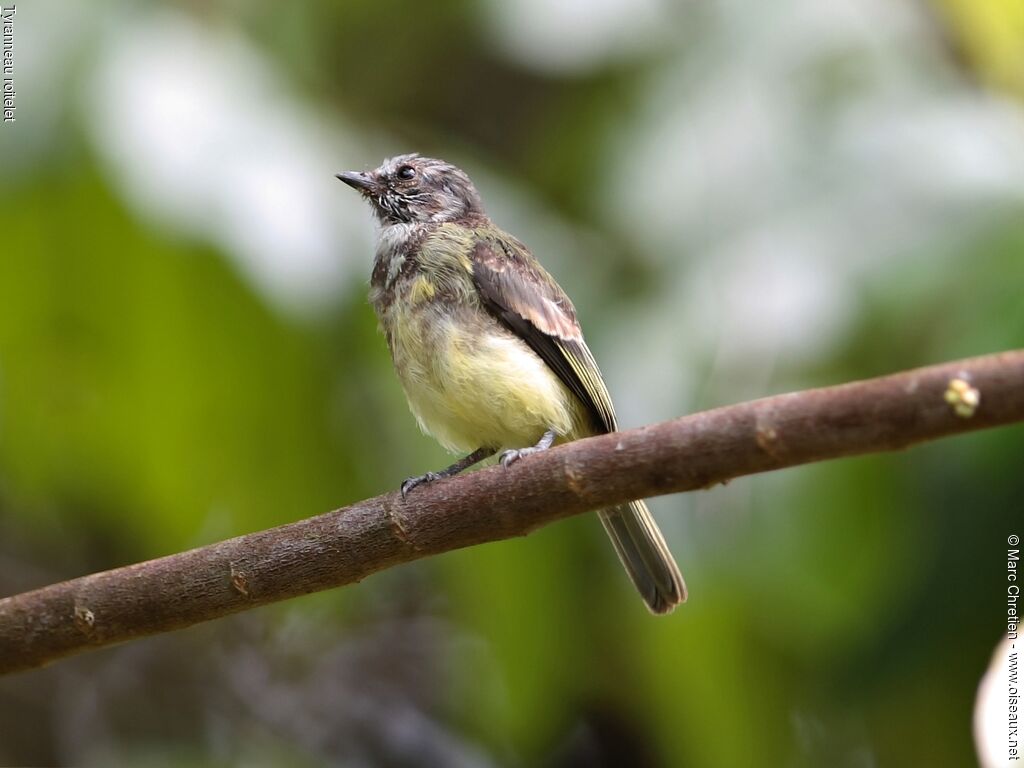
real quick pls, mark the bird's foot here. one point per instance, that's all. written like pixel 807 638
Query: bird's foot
pixel 510 457
pixel 466 461
pixel 412 482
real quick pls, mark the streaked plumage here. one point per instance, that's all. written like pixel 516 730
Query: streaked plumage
pixel 487 345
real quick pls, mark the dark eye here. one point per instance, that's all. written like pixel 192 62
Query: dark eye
pixel 406 172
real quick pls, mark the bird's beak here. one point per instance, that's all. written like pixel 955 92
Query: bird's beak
pixel 359 180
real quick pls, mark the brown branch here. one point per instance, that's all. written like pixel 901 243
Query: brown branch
pixel 346 545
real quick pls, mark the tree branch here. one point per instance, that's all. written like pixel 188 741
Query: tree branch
pixel 346 545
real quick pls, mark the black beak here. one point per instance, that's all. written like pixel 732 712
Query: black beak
pixel 359 180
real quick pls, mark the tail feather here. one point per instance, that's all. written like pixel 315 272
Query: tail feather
pixel 645 555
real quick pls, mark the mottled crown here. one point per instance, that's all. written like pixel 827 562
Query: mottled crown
pixel 411 188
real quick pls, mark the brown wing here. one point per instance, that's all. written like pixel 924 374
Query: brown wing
pixel 527 301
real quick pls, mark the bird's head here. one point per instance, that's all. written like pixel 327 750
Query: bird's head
pixel 414 189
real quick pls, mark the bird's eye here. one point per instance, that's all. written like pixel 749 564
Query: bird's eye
pixel 406 172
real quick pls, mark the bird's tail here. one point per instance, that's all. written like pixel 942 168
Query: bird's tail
pixel 644 554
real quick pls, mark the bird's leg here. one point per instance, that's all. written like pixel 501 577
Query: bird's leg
pixel 510 457
pixel 464 463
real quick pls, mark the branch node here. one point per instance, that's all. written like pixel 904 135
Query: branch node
pixel 767 436
pixel 397 528
pixel 963 398
pixel 576 479
pixel 85 619
pixel 239 581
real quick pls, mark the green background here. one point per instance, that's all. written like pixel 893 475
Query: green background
pixel 742 200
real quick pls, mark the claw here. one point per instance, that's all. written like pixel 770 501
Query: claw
pixel 511 456
pixel 479 454
pixel 412 482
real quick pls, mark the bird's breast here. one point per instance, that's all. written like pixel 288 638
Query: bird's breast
pixel 469 381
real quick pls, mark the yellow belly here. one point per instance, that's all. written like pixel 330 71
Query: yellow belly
pixel 471 383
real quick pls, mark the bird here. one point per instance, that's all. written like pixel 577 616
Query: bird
pixel 488 347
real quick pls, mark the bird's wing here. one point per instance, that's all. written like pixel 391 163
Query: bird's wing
pixel 528 301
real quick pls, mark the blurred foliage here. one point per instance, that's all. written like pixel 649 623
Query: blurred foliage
pixel 154 396
pixel 991 37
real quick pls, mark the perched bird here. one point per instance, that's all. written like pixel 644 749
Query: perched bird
pixel 487 345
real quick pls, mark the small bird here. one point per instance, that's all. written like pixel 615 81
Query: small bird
pixel 487 345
